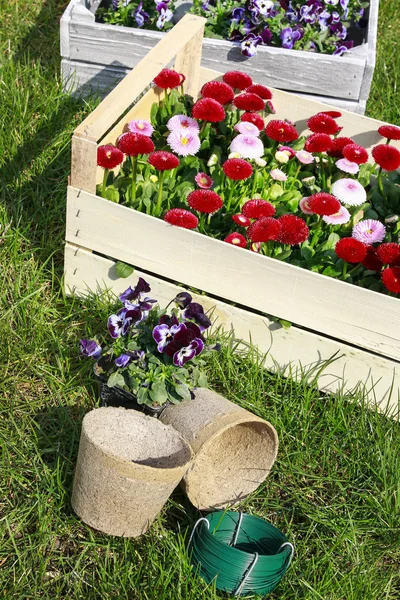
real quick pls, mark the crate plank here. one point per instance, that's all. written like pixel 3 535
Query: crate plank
pixel 331 307
pixel 293 351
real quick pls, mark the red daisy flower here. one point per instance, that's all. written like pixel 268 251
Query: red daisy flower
pixel 323 204
pixel 318 142
pixel 109 156
pixel 236 239
pixel 388 253
pixel 237 169
pixel 387 157
pixel 281 131
pixel 205 201
pixel 237 80
pixel 323 123
pixel 391 279
pixel 250 102
pixel 254 209
pixel 270 107
pixel 293 230
pixel 168 78
pixel 336 150
pixel 260 90
pixel 335 114
pixel 355 153
pixel 389 131
pixel 371 260
pixel 208 109
pixel 254 118
pixel 351 250
pixel 181 218
pixel 134 144
pixel 264 230
pixel 218 90
pixel 163 161
pixel 240 219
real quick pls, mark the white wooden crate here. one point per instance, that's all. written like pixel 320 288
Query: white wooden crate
pixel 96 56
pixel 328 315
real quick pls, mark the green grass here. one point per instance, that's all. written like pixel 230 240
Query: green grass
pixel 335 487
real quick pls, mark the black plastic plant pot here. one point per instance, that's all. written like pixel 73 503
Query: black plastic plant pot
pixel 116 396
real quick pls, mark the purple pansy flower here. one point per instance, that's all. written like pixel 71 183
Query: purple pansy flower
pixel 132 293
pixel 186 353
pixel 342 47
pixel 90 348
pixel 117 3
pixel 183 300
pixel 140 16
pixel 168 320
pixel 164 335
pixel 249 44
pixel 265 7
pixel 235 36
pixel 339 30
pixel 120 323
pixel 335 18
pixel 324 20
pixel 291 13
pixel 127 357
pixel 237 15
pixel 289 37
pixel 195 312
pixel 266 36
pixel 165 14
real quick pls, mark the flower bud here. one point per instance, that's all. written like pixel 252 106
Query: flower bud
pixel 234 155
pixel 282 156
pixel 260 162
pixel 153 178
pixel 392 219
pixel 278 175
pixel 308 181
pixel 213 160
pixel 183 300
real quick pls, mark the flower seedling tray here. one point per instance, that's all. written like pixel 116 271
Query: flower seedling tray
pixel 359 328
pixel 96 56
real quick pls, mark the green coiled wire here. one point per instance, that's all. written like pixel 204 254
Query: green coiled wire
pixel 243 553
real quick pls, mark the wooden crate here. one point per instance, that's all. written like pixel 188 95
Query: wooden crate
pixel 360 327
pixel 96 56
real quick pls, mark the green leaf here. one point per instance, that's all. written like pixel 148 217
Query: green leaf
pixel 183 391
pixel 202 380
pixel 275 191
pixel 112 194
pixel 123 270
pixel 158 392
pixel 330 242
pixel 285 324
pixel 306 252
pixel 116 379
pixel 154 112
pixel 143 395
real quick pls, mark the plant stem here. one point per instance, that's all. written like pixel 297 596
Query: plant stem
pixel 159 196
pixel 380 184
pixel 228 204
pixel 105 177
pixel 255 177
pixel 167 104
pixel 134 175
pixel 344 272
pixel 316 232
pixel 295 177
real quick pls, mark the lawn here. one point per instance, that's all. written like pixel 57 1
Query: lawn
pixel 335 486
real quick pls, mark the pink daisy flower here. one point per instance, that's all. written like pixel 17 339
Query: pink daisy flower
pixel 349 191
pixel 248 146
pixel 340 218
pixel 369 231
pixel 183 124
pixel 247 128
pixel 288 150
pixel 303 204
pixel 347 166
pixel 184 144
pixel 141 126
pixel 306 158
pixel 278 175
pixel 203 181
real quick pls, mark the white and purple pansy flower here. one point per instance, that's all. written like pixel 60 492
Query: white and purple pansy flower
pixel 186 353
pixel 265 7
pixel 195 312
pixel 127 357
pixel 133 293
pixel 164 335
pixel 120 323
pixel 249 44
pixel 289 37
pixel 140 16
pixel 237 15
pixel 186 344
pixel 165 14
pixel 90 348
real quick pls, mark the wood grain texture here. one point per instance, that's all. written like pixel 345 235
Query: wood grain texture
pixel 295 351
pixel 319 303
pixel 120 99
pixel 188 61
pixel 84 163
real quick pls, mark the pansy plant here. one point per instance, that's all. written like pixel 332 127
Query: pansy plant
pixel 155 354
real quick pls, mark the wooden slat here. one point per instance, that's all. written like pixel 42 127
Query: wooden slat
pixel 84 163
pixel 337 76
pixel 331 307
pixel 119 100
pixel 375 377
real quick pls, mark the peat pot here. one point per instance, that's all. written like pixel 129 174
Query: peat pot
pixel 128 465
pixel 234 449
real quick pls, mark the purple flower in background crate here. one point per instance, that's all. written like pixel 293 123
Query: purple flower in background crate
pixel 266 36
pixel 117 3
pixel 133 293
pixel 249 44
pixel 141 17
pixel 195 312
pixel 90 348
pixel 265 7
pixel 338 30
pixel 332 2
pixel 165 14
pixel 164 335
pixel 237 15
pixel 291 13
pixel 127 357
pixel 289 37
pixel 324 20
pixel 335 18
